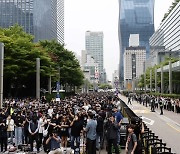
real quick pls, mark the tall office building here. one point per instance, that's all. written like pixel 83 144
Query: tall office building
pixel 42 18
pixel 94 47
pixel 134 60
pixel 168 33
pixel 165 41
pixel 135 17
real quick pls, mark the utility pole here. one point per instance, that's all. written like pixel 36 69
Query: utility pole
pixel 170 77
pixel 155 76
pixel 162 80
pixel 37 78
pixel 150 80
pixel 1 72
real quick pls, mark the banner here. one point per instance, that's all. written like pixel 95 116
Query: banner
pixel 58 89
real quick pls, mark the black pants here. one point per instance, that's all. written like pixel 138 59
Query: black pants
pixel 3 141
pixel 26 137
pixel 114 143
pixel 129 101
pixel 152 107
pixel 161 108
pixel 91 146
pixel 46 147
pixel 32 138
pixel 40 138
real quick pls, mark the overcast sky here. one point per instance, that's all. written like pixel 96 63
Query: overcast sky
pixel 100 15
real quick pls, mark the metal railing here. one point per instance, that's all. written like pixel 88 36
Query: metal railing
pixel 150 142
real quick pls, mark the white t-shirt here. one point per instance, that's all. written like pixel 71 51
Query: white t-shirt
pixel 10 124
pixel 50 111
pixel 41 125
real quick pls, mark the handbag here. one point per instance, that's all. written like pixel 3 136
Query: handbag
pixel 45 132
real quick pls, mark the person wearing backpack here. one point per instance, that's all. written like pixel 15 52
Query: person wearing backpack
pixel 131 142
pixel 138 131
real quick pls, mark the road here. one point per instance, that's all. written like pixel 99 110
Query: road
pixel 166 126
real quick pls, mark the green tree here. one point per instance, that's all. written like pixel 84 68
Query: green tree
pixel 175 76
pixel 70 72
pixel 105 86
pixel 170 9
pixel 20 63
pixel 20 60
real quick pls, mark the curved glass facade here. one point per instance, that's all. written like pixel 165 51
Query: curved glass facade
pixel 42 18
pixel 135 17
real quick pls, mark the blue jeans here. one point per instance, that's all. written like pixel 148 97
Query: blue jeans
pixel 118 136
pixel 77 140
pixel 10 135
pixel 18 135
pixel 99 140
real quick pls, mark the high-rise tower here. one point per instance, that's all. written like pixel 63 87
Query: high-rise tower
pixel 42 18
pixel 94 47
pixel 135 17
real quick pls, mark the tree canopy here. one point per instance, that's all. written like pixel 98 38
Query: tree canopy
pixel 170 9
pixel 175 78
pixel 20 62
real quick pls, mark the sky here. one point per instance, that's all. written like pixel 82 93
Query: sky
pixel 100 15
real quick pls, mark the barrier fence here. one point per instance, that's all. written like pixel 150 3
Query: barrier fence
pixel 151 144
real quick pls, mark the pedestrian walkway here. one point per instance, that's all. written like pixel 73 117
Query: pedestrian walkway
pixel 166 126
pixel 168 114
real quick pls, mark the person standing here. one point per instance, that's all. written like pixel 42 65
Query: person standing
pixel 19 120
pixel 3 134
pixel 138 131
pixel 111 127
pixel 42 122
pixel 131 142
pixel 152 104
pixel 99 132
pixel 129 100
pixel 76 128
pixel 118 119
pixel 33 132
pixel 64 126
pixel 91 134
pixel 161 106
pixel 10 128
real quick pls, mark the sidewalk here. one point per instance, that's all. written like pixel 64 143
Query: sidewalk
pixel 169 114
pixel 166 126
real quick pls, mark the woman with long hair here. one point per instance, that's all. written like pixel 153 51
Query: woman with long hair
pixel 64 126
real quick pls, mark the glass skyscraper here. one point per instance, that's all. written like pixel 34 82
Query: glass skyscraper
pixel 135 17
pixel 42 18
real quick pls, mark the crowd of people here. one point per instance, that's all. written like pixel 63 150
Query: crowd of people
pixel 95 118
pixel 164 103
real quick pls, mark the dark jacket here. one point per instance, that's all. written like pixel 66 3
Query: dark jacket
pixel 100 124
pixel 3 128
pixel 111 130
